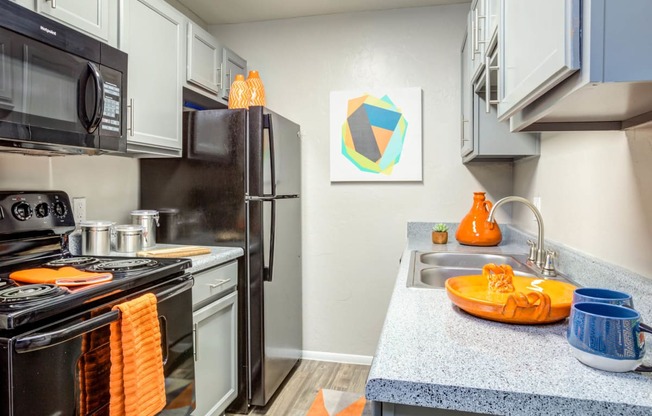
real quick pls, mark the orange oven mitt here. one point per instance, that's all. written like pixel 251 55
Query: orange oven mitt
pixel 64 276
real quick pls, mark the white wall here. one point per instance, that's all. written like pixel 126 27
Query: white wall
pixel 596 193
pixel 109 183
pixel 354 234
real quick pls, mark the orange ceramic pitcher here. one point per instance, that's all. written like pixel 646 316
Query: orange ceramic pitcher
pixel 474 230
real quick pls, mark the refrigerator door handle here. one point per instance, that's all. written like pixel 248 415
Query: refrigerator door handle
pixel 270 198
pixel 268 272
pixel 267 124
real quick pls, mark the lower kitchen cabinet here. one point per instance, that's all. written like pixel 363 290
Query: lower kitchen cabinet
pixel 215 328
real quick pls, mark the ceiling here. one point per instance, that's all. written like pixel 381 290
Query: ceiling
pixel 217 12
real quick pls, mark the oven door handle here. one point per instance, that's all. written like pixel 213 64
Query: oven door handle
pixel 44 340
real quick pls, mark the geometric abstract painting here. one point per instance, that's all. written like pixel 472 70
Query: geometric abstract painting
pixel 376 136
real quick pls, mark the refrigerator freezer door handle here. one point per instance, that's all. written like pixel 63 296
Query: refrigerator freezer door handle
pixel 268 272
pixel 272 162
pixel 270 198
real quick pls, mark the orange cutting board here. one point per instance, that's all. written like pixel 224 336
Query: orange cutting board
pixel 64 276
pixel 533 301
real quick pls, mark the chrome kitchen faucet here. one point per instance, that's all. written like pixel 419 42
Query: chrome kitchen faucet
pixel 541 258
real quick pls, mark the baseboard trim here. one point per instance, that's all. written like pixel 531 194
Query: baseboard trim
pixel 336 358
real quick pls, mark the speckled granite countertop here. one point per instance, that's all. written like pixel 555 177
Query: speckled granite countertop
pixel 432 354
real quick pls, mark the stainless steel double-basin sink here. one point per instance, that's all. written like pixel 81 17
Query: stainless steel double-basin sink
pixel 431 269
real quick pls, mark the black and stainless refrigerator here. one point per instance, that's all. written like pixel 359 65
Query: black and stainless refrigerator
pixel 238 184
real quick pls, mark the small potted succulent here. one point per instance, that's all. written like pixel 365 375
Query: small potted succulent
pixel 440 234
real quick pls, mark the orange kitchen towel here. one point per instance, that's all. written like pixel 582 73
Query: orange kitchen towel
pixel 137 381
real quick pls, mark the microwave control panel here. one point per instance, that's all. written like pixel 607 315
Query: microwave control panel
pixel 111 124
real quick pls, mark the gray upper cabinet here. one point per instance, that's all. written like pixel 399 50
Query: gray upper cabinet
pixel 493 18
pixel 477 32
pixel 96 18
pixel 539 47
pixel 467 95
pixel 232 64
pixel 203 60
pixel 154 34
pixel 483 137
pixel 612 89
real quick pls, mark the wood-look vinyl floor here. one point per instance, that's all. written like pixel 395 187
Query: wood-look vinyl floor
pixel 300 388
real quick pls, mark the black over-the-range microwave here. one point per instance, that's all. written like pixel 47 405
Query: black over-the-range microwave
pixel 61 92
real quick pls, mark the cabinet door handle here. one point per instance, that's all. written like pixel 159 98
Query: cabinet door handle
pixel 219 77
pixel 218 283
pixel 487 85
pixel 130 107
pixel 195 339
pixel 489 69
pixel 462 135
pixel 476 19
pixel 53 3
pixel 473 34
pixel 228 88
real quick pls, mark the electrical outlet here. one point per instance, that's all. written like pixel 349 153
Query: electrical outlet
pixel 79 209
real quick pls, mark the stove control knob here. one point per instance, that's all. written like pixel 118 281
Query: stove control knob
pixel 60 209
pixel 22 211
pixel 42 210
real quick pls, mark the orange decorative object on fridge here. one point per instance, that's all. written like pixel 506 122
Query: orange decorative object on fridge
pixel 498 295
pixel 474 230
pixel 239 94
pixel 257 89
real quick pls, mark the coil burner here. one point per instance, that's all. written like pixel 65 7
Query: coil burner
pixel 28 293
pixel 122 265
pixel 72 262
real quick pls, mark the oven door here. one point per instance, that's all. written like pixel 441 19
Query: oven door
pixel 64 368
pixel 53 100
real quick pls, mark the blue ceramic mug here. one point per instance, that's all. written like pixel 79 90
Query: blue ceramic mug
pixel 600 295
pixel 607 337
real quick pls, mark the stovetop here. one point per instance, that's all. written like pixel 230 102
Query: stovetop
pixel 34 229
pixel 22 304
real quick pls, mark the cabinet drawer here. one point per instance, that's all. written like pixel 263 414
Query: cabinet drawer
pixel 213 282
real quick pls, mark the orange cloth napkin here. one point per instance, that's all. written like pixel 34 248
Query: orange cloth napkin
pixel 137 380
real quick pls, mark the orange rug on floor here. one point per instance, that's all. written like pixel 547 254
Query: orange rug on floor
pixel 339 403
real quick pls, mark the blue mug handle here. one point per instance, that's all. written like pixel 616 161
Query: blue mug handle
pixel 644 328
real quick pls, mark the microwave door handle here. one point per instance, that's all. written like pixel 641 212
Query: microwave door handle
pixel 91 123
pixel 268 272
pixel 99 98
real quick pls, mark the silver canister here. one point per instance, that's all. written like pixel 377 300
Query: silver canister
pixel 96 237
pixel 129 238
pixel 148 218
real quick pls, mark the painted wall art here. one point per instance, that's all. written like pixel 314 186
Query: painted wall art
pixel 375 135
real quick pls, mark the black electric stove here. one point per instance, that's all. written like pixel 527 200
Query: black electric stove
pixel 34 229
pixel 55 338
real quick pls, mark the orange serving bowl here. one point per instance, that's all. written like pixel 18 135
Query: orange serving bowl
pixel 533 301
